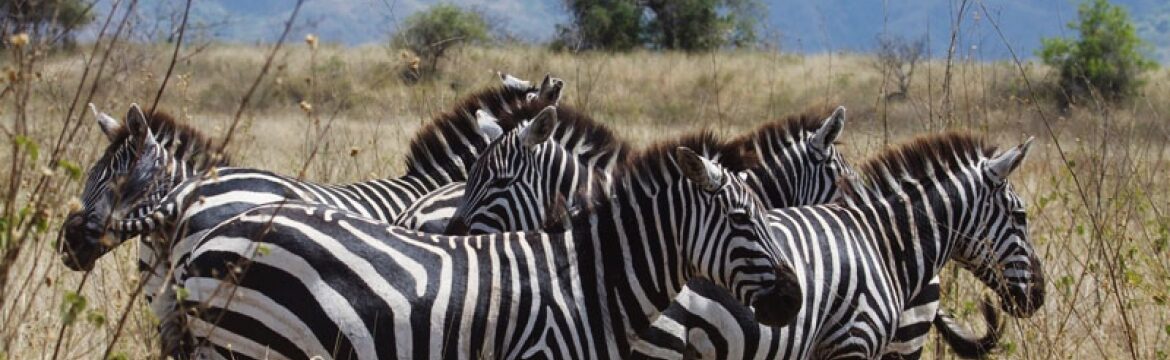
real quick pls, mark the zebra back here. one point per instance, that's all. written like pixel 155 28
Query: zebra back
pixel 528 159
pixel 327 282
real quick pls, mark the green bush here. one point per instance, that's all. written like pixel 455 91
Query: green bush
pixel 1106 60
pixel 432 33
pixel 601 24
pixel 689 25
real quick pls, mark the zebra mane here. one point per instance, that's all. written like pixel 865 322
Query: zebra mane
pixel 183 141
pixel 435 140
pixel 787 130
pixel 580 134
pixel 920 158
pixel 656 164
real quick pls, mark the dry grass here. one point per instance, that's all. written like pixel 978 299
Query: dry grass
pixel 1097 202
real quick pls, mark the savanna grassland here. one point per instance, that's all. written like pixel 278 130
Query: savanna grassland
pixel 1095 182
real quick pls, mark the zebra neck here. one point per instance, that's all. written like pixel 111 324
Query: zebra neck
pixel 917 233
pixel 773 188
pixel 637 269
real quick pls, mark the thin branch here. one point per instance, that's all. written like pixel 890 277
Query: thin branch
pixel 1095 222
pixel 174 57
pixel 231 130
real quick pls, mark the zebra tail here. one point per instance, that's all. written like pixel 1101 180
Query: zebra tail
pixel 965 343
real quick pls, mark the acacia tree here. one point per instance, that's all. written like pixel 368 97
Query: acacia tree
pixel 432 33
pixel 897 57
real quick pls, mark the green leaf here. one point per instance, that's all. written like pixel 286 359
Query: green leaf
pixel 182 294
pixel 71 306
pixel 41 222
pixel 30 146
pixel 1133 277
pixel 72 169
pixel 95 317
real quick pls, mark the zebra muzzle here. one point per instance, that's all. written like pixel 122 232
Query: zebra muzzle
pixel 778 305
pixel 81 243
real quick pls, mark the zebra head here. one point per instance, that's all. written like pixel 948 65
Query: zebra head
pixel 136 170
pixel 516 179
pixel 1000 253
pixel 549 91
pixel 725 238
pixel 800 164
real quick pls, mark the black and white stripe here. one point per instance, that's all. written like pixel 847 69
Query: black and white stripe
pixel 121 184
pixel 801 167
pixel 298 280
pixel 922 204
pixel 149 156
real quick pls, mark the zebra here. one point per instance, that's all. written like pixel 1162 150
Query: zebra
pixel 149 155
pixel 799 166
pixel 296 279
pixel 593 143
pixel 436 156
pixel 916 206
pixel 515 188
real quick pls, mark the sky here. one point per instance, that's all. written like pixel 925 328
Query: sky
pixel 988 29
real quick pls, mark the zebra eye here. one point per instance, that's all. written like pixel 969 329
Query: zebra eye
pixel 739 216
pixel 1019 216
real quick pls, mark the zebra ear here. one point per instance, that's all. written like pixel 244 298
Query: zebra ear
pixel 541 127
pixel 698 169
pixel 829 131
pixel 488 124
pixel 550 89
pixel 149 143
pixel 136 120
pixel 998 168
pixel 514 83
pixel 107 123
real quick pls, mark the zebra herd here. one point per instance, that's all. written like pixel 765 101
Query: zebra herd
pixel 525 229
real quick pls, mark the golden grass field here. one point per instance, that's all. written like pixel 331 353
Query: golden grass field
pixel 1095 182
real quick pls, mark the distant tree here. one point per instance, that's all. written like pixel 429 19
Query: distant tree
pixel 52 20
pixel 695 25
pixel 601 24
pixel 432 33
pixel 1106 60
pixel 897 58
pixel 691 25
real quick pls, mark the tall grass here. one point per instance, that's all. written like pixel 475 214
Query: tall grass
pixel 1095 182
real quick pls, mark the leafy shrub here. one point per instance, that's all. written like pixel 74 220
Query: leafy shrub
pixel 1106 60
